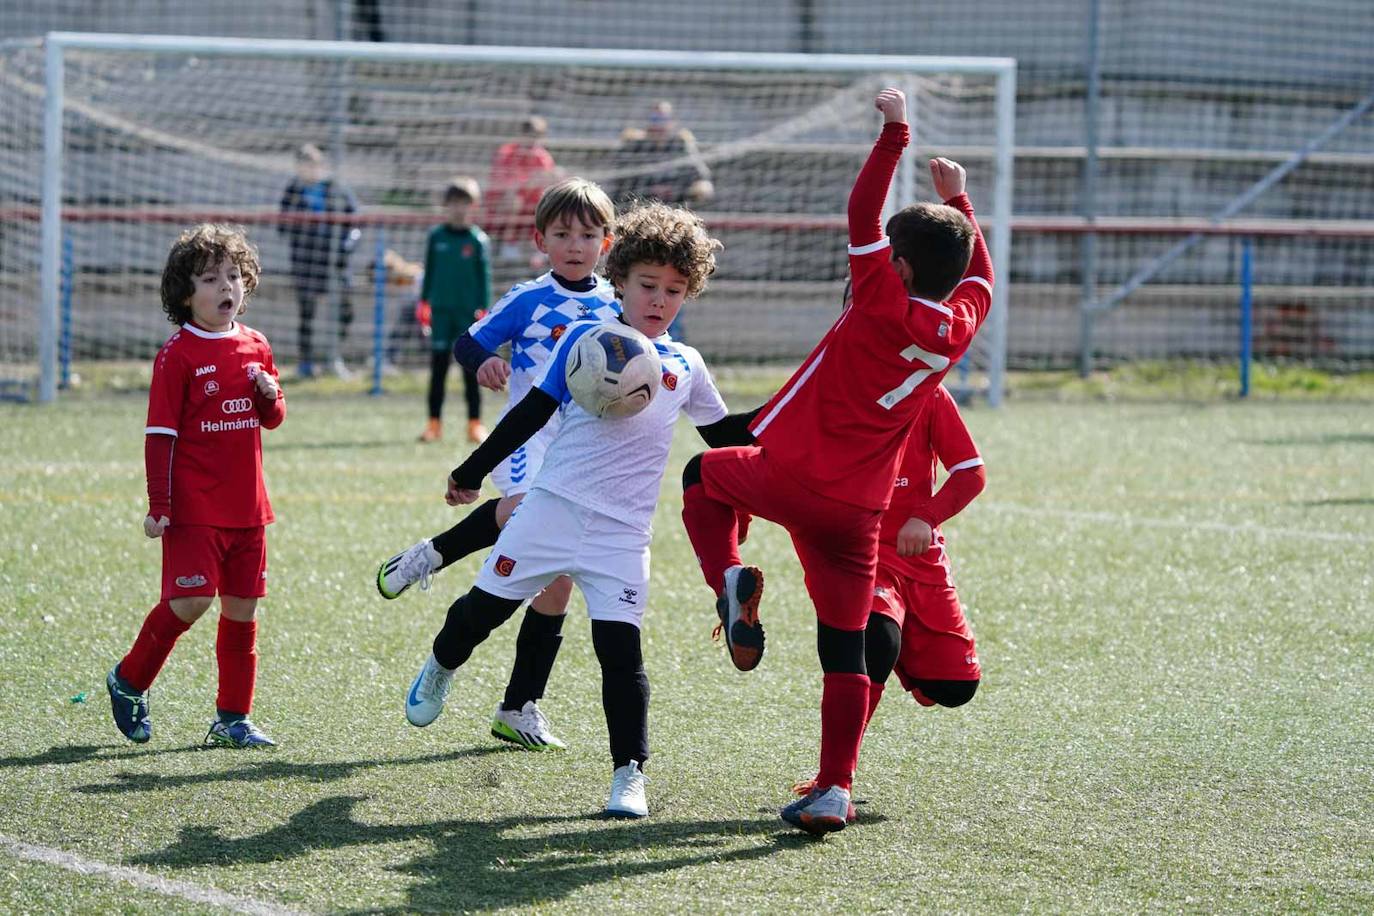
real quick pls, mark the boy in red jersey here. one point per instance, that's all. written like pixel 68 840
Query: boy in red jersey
pixel 214 386
pixel 829 442
pixel 916 626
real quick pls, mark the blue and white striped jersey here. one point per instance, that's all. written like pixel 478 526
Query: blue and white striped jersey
pixel 531 317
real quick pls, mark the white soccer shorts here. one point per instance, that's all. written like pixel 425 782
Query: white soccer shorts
pixel 549 536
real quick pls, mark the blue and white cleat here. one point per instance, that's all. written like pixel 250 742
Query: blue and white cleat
pixel 821 811
pixel 130 708
pixel 428 692
pixel 240 733
pixel 738 609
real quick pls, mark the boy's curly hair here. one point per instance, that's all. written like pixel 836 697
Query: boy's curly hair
pixel 655 233
pixel 197 249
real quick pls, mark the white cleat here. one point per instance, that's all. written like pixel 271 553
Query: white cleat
pixel 627 792
pixel 428 692
pixel 417 563
pixel 526 726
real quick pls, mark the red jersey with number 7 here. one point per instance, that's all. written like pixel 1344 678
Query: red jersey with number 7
pixel 840 423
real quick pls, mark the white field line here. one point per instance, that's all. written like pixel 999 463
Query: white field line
pixel 139 878
pixel 1292 534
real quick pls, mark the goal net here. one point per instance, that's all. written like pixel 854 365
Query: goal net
pixel 159 133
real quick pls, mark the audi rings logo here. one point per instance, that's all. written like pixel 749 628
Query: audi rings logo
pixel 237 405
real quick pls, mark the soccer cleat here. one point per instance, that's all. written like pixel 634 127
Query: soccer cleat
pixel 526 726
pixel 738 607
pixel 130 708
pixel 417 563
pixel 433 431
pixel 627 792
pixel 820 811
pixel 809 786
pixel 477 433
pixel 428 692
pixel 239 734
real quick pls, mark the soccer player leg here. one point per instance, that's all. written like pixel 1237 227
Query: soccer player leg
pixel 717 485
pixel 615 581
pixel 882 638
pixel 519 719
pixel 938 663
pixel 838 553
pixel 236 644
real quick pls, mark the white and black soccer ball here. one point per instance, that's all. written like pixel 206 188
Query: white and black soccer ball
pixel 613 371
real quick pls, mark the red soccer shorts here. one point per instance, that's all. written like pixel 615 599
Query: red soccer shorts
pixel 201 561
pixel 836 542
pixel 937 644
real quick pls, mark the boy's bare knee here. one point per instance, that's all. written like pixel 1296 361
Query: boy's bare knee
pixel 191 609
pixel 240 609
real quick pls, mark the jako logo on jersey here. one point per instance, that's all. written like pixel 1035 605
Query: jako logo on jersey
pixel 670 381
pixel 558 330
pixel 628 595
pixel 504 565
pixel 237 405
pixel 195 581
pixel 204 370
pixel 212 387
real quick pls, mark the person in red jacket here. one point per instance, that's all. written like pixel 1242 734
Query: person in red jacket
pixel 214 388
pixel 828 444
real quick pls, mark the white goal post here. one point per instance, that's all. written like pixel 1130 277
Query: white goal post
pixel 785 133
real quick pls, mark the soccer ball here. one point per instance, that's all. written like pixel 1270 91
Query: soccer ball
pixel 613 371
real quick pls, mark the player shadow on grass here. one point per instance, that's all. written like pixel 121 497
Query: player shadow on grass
pixel 258 767
pixel 88 753
pixel 476 864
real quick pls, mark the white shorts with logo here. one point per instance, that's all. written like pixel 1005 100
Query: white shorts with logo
pixel 515 474
pixel 549 536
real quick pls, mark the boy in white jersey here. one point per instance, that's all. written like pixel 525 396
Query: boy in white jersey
pixel 588 512
pixel 573 229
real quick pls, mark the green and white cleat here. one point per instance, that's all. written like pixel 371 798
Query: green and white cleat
pixel 527 727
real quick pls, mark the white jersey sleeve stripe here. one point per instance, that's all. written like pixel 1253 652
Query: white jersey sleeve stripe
pixel 801 380
pixel 942 309
pixel 979 280
pixel 965 465
pixel 870 248
pixel 158 430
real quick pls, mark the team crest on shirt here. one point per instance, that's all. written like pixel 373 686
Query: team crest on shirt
pixel 669 380
pixel 557 332
pixel 942 330
pixel 504 565
pixel 212 387
pixel 467 251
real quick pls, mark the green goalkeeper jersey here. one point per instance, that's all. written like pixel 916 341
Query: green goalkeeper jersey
pixel 457 282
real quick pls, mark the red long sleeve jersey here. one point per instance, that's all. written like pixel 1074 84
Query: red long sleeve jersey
pixel 840 423
pixel 939 434
pixel 203 395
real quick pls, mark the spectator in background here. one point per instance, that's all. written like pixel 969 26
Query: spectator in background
pixel 520 171
pixel 660 161
pixel 319 248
